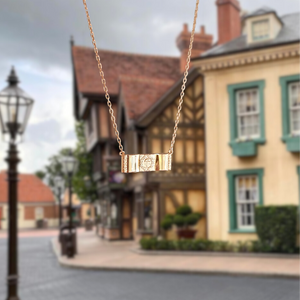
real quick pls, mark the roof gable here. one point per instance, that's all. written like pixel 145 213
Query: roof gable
pixel 30 189
pixel 139 94
pixel 167 98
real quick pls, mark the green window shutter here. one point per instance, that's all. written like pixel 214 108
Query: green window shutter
pixel 292 142
pixel 249 147
pixel 231 175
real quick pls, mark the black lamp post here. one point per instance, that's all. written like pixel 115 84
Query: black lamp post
pixel 15 108
pixel 59 187
pixel 70 165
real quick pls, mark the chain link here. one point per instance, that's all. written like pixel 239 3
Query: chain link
pixel 185 74
pixel 184 81
pixel 111 111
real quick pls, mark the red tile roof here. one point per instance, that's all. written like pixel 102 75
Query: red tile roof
pixel 119 63
pixel 30 189
pixel 140 93
pixel 144 78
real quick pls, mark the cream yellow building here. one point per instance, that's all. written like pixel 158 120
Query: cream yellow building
pixel 252 112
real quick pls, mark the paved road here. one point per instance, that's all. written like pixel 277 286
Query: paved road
pixel 43 279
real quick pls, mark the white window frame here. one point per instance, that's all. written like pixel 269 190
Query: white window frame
pixel 239 115
pixel 240 202
pixel 292 109
pixel 39 211
pixel 261 37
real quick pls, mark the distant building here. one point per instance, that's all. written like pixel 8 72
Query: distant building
pixel 144 92
pixel 252 100
pixel 35 202
pixel 82 210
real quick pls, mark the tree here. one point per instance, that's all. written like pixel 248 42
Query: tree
pixel 40 174
pixel 54 168
pixel 85 168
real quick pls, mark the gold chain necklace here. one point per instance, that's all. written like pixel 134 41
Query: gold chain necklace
pixel 143 162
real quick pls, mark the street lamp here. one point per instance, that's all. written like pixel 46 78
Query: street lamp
pixel 69 166
pixel 15 108
pixel 59 187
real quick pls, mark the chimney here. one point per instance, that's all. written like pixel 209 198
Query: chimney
pixel 229 20
pixel 202 42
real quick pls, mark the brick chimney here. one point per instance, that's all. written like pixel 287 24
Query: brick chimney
pixel 229 20
pixel 202 42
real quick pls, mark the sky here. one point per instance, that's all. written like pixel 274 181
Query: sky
pixel 35 38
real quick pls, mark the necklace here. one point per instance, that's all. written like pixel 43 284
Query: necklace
pixel 143 162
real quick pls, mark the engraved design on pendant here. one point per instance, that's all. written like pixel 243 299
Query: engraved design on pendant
pixel 147 163
pixel 136 163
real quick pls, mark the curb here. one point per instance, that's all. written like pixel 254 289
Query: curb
pixel 164 270
pixel 214 254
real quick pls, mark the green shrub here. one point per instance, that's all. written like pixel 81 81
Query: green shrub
pixel 244 246
pixel 166 223
pixel 276 227
pixel 164 245
pixel 148 243
pixel 192 219
pixel 184 210
pixel 169 216
pixel 179 220
pixel 220 246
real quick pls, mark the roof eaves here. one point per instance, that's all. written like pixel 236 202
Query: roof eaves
pixel 264 46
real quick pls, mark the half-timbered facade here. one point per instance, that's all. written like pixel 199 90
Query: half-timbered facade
pixel 144 93
pixel 160 193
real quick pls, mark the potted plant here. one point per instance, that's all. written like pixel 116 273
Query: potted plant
pixel 183 219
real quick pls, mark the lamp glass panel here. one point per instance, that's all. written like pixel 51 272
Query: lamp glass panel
pixel 3 115
pixel 15 107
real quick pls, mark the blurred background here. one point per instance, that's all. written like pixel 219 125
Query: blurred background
pixel 228 207
pixel 35 39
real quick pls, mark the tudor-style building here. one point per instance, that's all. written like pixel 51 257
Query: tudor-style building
pixel 252 97
pixel 144 92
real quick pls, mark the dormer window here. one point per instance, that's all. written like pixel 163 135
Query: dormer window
pixel 261 30
pixel 262 25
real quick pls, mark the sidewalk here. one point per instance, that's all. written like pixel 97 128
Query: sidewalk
pixel 94 253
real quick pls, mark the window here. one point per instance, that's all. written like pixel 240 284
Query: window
pixel 247 124
pixel 245 192
pixel 260 30
pixel 246 199
pixel 290 99
pixel 144 211
pixel 39 213
pixel 294 107
pixel 248 113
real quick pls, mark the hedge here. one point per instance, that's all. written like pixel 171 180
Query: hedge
pixel 276 227
pixel 204 245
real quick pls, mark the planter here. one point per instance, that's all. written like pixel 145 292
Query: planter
pixel 88 225
pixel 186 233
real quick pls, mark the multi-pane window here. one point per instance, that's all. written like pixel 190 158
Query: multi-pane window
pixel 247 196
pixel 144 211
pixel 248 113
pixel 260 30
pixel 39 213
pixel 294 107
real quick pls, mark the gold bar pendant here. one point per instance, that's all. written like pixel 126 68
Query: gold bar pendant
pixel 145 163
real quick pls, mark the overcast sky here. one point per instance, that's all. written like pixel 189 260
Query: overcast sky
pixel 35 35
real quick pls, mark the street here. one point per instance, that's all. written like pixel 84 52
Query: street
pixel 41 277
